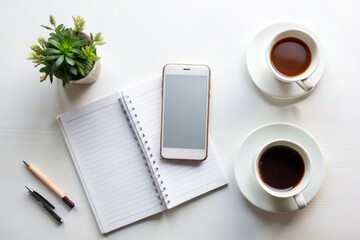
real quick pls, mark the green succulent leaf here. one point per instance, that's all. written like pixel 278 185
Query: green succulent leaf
pixel 52 51
pixel 52 57
pixel 46 27
pixel 68 34
pixel 76 51
pixel 78 43
pixel 54 43
pixel 52 35
pixel 73 70
pixel 43 69
pixel 59 61
pixel 59 28
pixel 70 61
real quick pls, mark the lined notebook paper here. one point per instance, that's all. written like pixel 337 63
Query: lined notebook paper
pixel 115 146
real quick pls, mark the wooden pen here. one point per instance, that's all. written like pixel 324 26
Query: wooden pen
pixel 47 182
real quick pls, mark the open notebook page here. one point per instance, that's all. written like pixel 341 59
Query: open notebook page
pixel 109 164
pixel 183 180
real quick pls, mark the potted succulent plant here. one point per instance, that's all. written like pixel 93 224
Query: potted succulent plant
pixel 68 54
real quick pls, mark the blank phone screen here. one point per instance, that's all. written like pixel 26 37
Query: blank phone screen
pixel 185 111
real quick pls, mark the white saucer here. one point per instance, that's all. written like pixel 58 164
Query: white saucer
pixel 260 72
pixel 244 172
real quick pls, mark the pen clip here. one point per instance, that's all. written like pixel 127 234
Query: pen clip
pixel 42 199
pixel 39 198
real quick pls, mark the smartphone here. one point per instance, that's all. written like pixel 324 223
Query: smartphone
pixel 185 112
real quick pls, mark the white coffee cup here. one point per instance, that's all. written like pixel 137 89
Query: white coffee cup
pixel 268 165
pixel 302 79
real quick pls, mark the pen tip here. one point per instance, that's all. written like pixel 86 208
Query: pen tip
pixel 27 188
pixel 26 164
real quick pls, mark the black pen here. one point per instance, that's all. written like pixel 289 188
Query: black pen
pixel 45 204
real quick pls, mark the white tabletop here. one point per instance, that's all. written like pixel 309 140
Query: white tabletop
pixel 141 37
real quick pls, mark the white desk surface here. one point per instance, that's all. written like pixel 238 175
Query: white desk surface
pixel 141 37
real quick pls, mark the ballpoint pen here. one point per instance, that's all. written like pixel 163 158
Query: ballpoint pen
pixel 48 183
pixel 45 204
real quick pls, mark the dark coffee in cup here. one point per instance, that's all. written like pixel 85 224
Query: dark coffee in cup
pixel 281 167
pixel 293 56
pixel 290 56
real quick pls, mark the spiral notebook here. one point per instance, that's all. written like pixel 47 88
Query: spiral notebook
pixel 114 143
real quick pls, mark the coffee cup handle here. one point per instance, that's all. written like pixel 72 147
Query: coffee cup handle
pixel 305 84
pixel 300 201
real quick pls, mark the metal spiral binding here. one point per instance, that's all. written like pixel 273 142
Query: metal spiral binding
pixel 140 136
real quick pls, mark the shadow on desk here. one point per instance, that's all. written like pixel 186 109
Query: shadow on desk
pixel 280 218
pixel 275 101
